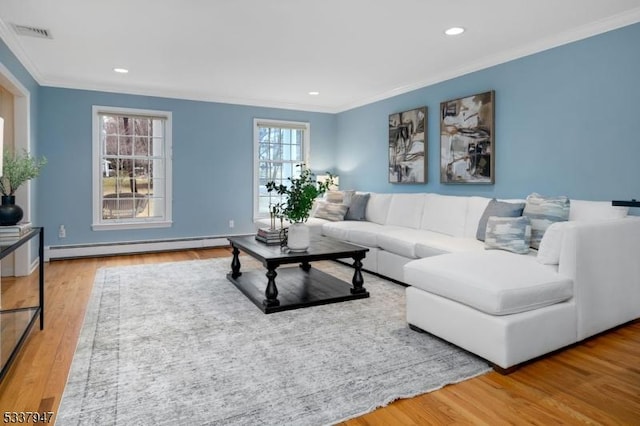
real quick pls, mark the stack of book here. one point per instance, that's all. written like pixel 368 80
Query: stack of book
pixel 268 236
pixel 12 233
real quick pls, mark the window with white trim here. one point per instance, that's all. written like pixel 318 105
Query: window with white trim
pixel 280 147
pixel 131 168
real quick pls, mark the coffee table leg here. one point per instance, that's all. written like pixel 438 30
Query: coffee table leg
pixel 235 263
pixel 271 292
pixel 357 280
pixel 305 266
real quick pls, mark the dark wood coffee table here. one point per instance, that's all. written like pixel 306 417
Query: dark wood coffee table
pixel 297 287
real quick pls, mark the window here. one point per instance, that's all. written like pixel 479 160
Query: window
pixel 280 147
pixel 131 168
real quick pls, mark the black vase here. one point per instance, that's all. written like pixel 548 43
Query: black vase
pixel 10 214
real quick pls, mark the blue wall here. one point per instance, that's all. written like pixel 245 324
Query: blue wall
pixel 566 123
pixel 212 163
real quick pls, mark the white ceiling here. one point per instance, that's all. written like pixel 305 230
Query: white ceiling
pixel 273 52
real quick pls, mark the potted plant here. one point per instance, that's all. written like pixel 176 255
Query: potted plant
pixel 299 196
pixel 16 170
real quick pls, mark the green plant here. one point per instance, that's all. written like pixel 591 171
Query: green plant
pixel 17 169
pixel 299 195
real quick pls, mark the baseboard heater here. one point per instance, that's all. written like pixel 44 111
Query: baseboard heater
pixel 131 247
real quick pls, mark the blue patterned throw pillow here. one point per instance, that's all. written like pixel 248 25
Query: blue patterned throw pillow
pixel 542 212
pixel 508 233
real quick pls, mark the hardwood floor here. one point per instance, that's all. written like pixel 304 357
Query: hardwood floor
pixel 597 381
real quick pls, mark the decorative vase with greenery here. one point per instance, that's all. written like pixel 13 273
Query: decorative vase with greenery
pixel 16 170
pixel 298 198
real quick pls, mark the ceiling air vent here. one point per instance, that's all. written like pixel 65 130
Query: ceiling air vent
pixel 25 30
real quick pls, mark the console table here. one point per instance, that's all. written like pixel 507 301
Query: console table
pixel 16 322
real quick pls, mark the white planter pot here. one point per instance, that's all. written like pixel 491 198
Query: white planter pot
pixel 298 237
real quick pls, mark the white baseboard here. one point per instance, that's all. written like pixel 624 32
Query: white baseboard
pixel 130 247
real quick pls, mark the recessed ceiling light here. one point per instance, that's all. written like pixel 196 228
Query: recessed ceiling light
pixel 121 70
pixel 314 93
pixel 454 31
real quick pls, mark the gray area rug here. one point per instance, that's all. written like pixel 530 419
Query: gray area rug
pixel 177 344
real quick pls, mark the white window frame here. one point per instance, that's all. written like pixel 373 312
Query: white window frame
pixel 306 145
pixel 99 224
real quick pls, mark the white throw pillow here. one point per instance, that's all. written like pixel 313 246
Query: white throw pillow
pixel 595 210
pixel 551 244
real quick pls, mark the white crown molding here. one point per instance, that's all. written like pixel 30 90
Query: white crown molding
pixel 11 40
pixel 184 95
pixel 576 34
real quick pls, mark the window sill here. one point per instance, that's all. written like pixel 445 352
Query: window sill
pixel 130 225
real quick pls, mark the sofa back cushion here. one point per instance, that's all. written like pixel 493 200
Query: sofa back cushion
pixel 595 210
pixel 406 210
pixel 378 208
pixel 445 214
pixel 475 208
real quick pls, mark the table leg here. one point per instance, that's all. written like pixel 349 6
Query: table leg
pixel 357 280
pixel 305 266
pixel 235 263
pixel 271 293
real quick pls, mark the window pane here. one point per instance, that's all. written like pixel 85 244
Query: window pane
pixel 125 145
pixel 141 146
pixel 157 128
pixel 125 126
pixel 142 126
pixel 155 148
pixel 110 145
pixel 109 124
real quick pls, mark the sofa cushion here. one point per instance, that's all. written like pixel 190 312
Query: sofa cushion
pixel 358 206
pixel 405 210
pixel 445 214
pixel 402 241
pixel 582 210
pixel 378 208
pixel 495 282
pixel 543 211
pixel 331 211
pixel 498 209
pixel 436 243
pixel 357 232
pixel 508 233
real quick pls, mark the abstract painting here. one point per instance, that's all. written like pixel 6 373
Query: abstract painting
pixel 408 146
pixel 467 140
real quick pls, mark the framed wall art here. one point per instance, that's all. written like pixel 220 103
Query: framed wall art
pixel 408 146
pixel 467 149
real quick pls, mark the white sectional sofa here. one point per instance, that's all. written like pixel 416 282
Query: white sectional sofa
pixel 507 308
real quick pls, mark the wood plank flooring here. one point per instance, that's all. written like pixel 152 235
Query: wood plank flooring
pixel 596 382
